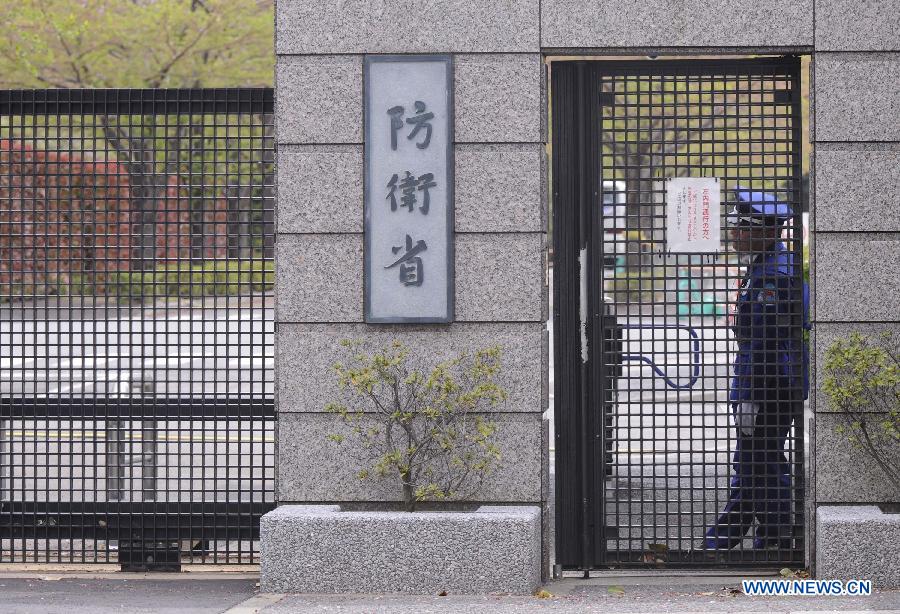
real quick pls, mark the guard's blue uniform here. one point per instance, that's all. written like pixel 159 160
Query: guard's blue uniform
pixel 770 378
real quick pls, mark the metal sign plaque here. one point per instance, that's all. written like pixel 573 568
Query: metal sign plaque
pixel 692 215
pixel 409 189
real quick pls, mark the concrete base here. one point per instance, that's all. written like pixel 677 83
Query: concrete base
pixel 858 542
pixel 321 549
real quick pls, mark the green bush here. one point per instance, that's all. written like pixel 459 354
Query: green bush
pixel 637 285
pixel 862 381
pixel 420 425
pixel 211 278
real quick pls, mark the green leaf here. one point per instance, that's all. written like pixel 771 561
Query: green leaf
pixel 421 425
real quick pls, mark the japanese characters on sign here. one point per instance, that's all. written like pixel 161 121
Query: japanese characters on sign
pixel 692 215
pixel 408 189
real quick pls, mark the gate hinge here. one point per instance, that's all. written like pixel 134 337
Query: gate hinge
pixel 607 99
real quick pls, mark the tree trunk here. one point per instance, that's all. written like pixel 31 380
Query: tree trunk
pixel 143 202
pixel 409 498
pixel 238 198
pixel 198 199
pixel 268 192
pixel 145 189
pixel 633 210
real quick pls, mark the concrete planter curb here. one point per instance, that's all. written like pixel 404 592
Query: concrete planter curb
pixel 858 542
pixel 321 549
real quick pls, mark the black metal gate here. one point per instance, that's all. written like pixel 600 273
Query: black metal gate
pixel 648 340
pixel 136 325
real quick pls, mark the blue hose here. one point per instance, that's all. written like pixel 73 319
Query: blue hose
pixel 695 354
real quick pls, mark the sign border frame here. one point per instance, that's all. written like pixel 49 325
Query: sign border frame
pixel 449 316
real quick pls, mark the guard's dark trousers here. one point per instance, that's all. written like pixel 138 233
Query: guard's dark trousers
pixel 760 486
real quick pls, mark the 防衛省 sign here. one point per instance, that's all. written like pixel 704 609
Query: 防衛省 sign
pixel 408 189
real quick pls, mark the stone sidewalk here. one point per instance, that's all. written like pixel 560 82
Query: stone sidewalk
pixel 606 595
pixel 96 593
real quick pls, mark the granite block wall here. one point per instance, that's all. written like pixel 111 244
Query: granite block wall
pixel 856 223
pixel 623 24
pixel 500 131
pixel 500 225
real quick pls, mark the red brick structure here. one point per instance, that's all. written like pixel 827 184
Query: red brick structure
pixel 65 219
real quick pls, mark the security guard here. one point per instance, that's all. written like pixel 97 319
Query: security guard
pixel 769 379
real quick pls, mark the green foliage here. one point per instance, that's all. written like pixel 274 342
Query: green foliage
pixel 638 284
pixel 421 426
pixel 806 263
pixel 210 278
pixel 207 162
pixel 146 44
pixel 862 381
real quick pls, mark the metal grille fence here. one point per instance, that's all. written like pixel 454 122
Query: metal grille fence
pixel 669 331
pixel 136 325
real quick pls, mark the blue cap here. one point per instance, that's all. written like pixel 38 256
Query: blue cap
pixel 757 209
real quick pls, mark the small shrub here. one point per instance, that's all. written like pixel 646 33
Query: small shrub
pixel 635 285
pixel 421 427
pixel 862 381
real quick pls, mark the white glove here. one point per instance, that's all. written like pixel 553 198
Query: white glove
pixel 745 416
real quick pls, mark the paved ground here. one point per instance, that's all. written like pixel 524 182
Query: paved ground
pixel 62 594
pixel 672 427
pixel 201 348
pixel 183 593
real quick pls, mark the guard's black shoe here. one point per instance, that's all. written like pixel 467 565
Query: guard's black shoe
pixel 772 544
pixel 710 551
pixel 703 546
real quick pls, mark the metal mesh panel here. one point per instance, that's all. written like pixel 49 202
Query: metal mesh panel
pixel 655 348
pixel 136 325
pixel 670 437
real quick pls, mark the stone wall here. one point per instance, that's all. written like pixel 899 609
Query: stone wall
pixel 501 295
pixel 856 227
pixel 500 181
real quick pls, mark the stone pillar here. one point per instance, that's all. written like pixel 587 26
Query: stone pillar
pixel 500 237
pixel 500 212
pixel 856 234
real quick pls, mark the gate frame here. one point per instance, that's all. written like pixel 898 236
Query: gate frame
pixel 579 382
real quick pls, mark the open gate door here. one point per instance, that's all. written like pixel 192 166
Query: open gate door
pixel 679 352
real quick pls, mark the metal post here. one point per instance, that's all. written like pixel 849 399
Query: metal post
pixel 148 458
pixel 115 460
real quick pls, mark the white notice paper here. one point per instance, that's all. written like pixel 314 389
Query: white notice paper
pixel 692 215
